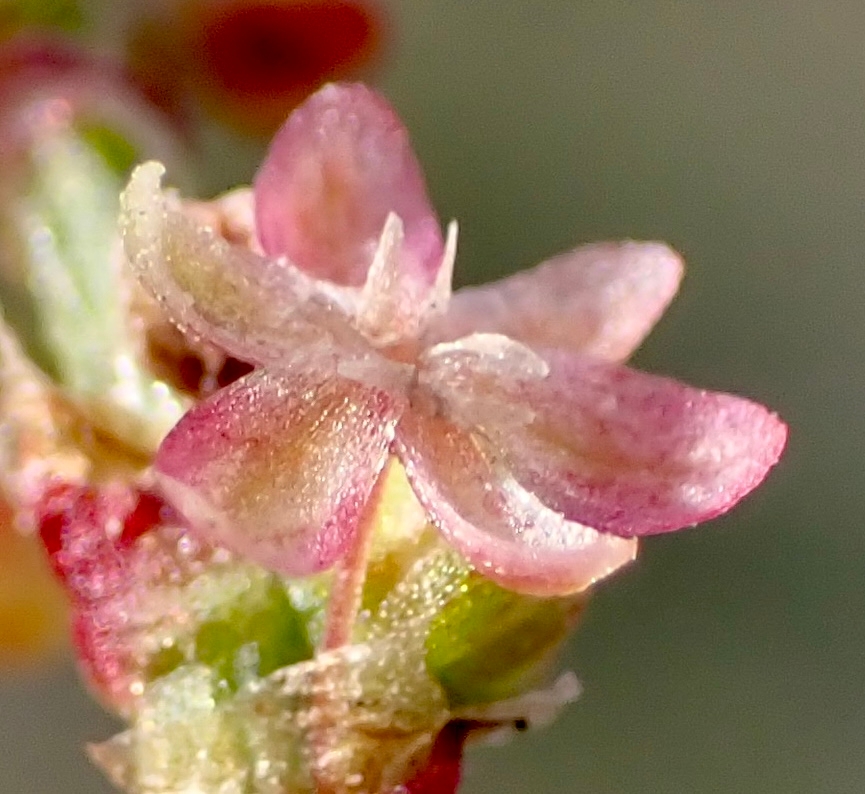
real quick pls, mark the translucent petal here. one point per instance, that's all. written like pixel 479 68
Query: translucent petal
pixel 600 299
pixel 439 297
pixel 337 168
pixel 384 308
pixel 279 469
pixel 619 450
pixel 538 708
pixel 255 308
pixel 502 529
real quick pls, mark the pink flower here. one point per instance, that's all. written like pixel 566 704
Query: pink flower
pixel 538 456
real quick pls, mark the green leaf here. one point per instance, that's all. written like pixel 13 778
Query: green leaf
pixel 118 152
pixel 490 644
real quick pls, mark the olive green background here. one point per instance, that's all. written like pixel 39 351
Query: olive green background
pixel 729 658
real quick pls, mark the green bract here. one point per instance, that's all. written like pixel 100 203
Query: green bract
pixel 491 644
pixel 253 635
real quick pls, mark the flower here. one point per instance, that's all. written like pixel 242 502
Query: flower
pixel 537 455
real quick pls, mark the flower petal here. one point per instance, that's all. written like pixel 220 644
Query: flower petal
pixel 502 529
pixel 337 168
pixel 279 469
pixel 257 309
pixel 600 299
pixel 620 450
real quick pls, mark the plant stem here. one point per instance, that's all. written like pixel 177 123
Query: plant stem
pixel 349 577
pixel 342 610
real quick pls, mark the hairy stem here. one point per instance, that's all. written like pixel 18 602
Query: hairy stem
pixel 342 611
pixel 349 577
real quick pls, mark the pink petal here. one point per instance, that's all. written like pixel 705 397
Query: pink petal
pixel 254 308
pixel 497 525
pixel 337 168
pixel 278 468
pixel 619 450
pixel 600 299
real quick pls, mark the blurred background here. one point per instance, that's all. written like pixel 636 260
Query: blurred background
pixel 730 658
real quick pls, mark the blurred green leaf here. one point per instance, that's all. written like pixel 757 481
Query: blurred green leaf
pixel 63 290
pixel 118 152
pixel 65 15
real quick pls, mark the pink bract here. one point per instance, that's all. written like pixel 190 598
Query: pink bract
pixel 536 455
